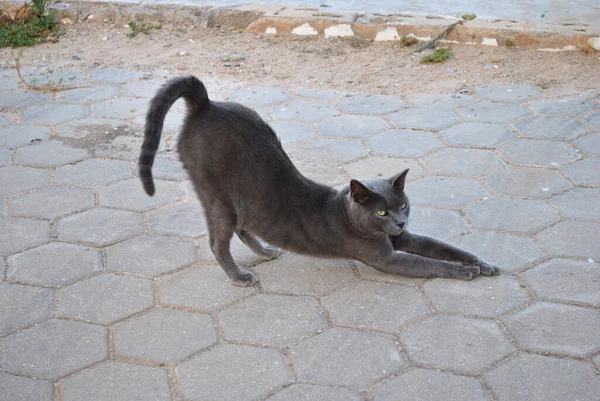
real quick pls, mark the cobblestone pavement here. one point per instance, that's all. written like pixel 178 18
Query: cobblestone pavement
pixel 107 294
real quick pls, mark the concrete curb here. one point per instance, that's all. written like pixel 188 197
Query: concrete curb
pixel 268 20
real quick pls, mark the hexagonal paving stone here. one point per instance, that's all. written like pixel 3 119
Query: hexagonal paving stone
pixel 53 349
pixel 91 173
pixel 476 134
pixel 540 378
pixel 565 107
pixel 55 264
pixel 104 299
pixel 130 195
pixel 538 153
pixel 304 110
pixel 421 384
pixel 339 357
pixel 594 119
pixel 121 107
pixel 515 215
pixel 16 235
pixel 403 143
pixel 487 298
pixel 51 153
pixel 584 172
pixel 164 335
pixel 52 202
pixel 467 346
pixel 22 306
pixel 117 381
pixel 143 88
pixel 565 280
pixel 510 252
pixel 53 113
pixel 204 287
pixel 92 93
pixel 351 126
pixel 161 255
pixel 114 75
pixel 559 329
pixel 545 127
pixel 327 94
pixel 19 99
pixel 15 180
pixel 91 129
pixel 328 152
pixel 506 93
pixel 184 219
pixel 378 306
pixel 292 133
pixel 275 320
pixel 437 223
pixel 323 174
pixel 2 207
pixel 492 112
pixel 443 101
pixel 233 372
pixel 455 193
pixel 527 182
pixel 39 77
pixel 371 104
pixel 100 226
pixel 19 388
pixel 423 118
pixel 5 157
pixel 460 161
pixel 260 95
pixel 579 203
pixel 168 168
pixel 373 168
pixel 590 143
pixel 308 392
pixel 171 125
pixel 304 275
pixel 572 238
pixel 7 83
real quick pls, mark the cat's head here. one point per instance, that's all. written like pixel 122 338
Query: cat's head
pixel 380 206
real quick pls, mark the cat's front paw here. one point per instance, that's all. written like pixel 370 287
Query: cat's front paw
pixel 244 279
pixel 466 273
pixel 488 269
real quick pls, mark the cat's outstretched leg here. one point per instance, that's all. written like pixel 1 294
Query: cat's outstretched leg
pixel 221 224
pixel 262 250
pixel 436 249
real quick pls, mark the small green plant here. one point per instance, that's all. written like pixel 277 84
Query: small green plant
pixel 28 26
pixel 509 43
pixel 438 56
pixel 143 27
pixel 469 17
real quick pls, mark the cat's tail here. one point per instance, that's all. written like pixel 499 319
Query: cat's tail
pixel 194 93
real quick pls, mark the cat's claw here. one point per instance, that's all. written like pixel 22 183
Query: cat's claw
pixel 467 273
pixel 244 279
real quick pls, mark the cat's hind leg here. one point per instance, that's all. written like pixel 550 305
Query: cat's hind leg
pixel 262 250
pixel 221 226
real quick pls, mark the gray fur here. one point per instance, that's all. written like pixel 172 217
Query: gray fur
pixel 250 187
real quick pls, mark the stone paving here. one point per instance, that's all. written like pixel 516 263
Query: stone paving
pixel 108 295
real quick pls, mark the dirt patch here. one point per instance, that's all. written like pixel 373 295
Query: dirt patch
pixel 311 62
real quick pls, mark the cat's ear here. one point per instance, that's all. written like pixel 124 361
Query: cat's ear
pixel 359 192
pixel 398 181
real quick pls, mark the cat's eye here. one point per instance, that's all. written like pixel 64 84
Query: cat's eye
pixel 403 206
pixel 382 212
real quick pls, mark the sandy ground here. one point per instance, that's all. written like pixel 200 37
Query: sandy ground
pixel 344 64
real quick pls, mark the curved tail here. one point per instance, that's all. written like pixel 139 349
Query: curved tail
pixel 194 92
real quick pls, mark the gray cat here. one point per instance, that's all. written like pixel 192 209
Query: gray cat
pixel 249 186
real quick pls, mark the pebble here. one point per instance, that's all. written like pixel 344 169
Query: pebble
pixel 76 57
pixel 183 53
pixel 590 260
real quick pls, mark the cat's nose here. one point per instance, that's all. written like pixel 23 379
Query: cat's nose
pixel 402 224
